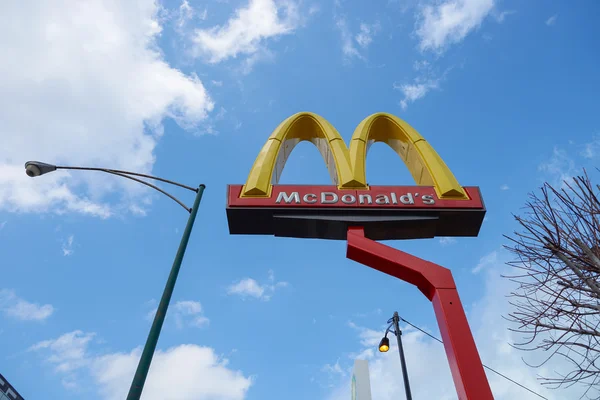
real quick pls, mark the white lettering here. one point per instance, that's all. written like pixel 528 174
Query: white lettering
pixel 382 199
pixel 348 199
pixel 407 199
pixel 288 199
pixel 310 198
pixel 334 198
pixel 428 199
pixel 363 197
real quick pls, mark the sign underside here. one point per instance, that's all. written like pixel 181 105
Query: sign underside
pixel 325 212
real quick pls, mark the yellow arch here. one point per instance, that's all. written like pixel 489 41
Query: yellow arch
pixel 425 165
pixel 347 166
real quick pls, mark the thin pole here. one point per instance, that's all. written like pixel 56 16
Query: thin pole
pixel 396 320
pixel 135 391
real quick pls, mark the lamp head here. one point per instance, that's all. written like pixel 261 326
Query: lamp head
pixel 36 168
pixel 384 345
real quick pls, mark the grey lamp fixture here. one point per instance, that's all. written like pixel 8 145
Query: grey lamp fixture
pixel 36 168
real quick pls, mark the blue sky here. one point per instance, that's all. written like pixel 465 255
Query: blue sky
pixel 505 91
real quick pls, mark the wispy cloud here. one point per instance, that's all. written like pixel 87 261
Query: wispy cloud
pixel 416 90
pixel 486 262
pixel 365 36
pixel 591 150
pixel 18 308
pixel 184 312
pixel 504 187
pixel 427 79
pixel 348 46
pixel 501 16
pixel 552 20
pixel 2 225
pixel 249 287
pixel 560 168
pixel 185 14
pixel 334 369
pixel 247 31
pixel 445 241
pixel 67 247
pixel 190 312
pixel 450 21
pixel 352 42
pixel 67 352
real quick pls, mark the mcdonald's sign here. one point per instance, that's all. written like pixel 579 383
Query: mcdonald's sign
pixel 437 206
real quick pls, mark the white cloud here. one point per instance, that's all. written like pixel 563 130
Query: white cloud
pixel 348 47
pixel 185 312
pixel 416 90
pixel 426 358
pixel 560 168
pixel 500 17
pixel 249 287
pixel 351 42
pixel 185 372
pixel 552 20
pixel 186 12
pixel 333 369
pixel 365 36
pixel 313 9
pixel 247 31
pixel 421 65
pixel 67 352
pixel 86 85
pixel 450 21
pixel 591 150
pixel 183 17
pixel 203 15
pixel 67 247
pixel 18 308
pixel 504 187
pixel 446 240
pixel 188 311
pixel 486 262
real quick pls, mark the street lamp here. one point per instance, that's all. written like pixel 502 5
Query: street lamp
pixel 384 346
pixel 36 168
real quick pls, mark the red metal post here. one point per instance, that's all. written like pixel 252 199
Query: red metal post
pixel 438 286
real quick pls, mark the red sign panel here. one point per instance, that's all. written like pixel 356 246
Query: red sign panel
pixel 383 197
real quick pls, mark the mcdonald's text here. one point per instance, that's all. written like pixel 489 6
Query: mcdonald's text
pixel 416 197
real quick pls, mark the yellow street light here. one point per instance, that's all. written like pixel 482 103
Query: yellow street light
pixel 384 345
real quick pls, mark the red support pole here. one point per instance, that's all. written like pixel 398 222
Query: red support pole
pixel 438 286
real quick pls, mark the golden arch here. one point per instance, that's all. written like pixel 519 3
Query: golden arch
pixel 347 166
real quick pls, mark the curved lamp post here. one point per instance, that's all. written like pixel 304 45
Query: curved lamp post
pixel 384 346
pixel 36 168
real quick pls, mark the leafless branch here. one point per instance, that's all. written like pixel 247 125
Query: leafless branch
pixel 556 304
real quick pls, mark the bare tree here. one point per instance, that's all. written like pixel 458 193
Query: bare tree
pixel 556 305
